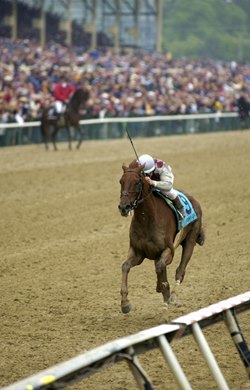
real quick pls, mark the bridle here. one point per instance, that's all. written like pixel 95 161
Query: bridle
pixel 139 199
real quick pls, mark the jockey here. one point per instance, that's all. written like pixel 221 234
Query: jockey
pixel 160 175
pixel 62 93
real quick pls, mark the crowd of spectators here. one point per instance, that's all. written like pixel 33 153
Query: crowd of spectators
pixel 122 85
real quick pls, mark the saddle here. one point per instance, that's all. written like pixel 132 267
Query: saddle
pixel 53 115
pixel 190 214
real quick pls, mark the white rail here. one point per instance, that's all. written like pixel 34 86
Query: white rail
pixel 128 348
pixel 108 128
pixel 217 115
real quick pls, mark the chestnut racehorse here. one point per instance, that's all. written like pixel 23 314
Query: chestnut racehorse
pixel 69 118
pixel 153 232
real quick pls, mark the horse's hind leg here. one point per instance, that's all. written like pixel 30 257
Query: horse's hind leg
pixel 162 285
pixel 78 128
pixel 45 137
pixel 69 136
pixel 187 250
pixel 53 136
pixel 126 267
pixel 46 142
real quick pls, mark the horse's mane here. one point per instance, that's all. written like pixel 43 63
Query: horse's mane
pixel 133 166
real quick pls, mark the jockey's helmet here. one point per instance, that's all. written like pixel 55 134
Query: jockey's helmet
pixel 148 162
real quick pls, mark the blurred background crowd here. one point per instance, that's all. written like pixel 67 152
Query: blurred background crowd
pixel 120 85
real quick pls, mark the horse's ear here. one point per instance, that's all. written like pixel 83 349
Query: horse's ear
pixel 124 167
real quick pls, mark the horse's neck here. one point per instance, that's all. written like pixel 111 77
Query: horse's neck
pixel 146 211
pixel 74 105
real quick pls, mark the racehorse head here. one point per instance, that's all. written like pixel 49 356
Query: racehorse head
pixel 80 97
pixel 133 188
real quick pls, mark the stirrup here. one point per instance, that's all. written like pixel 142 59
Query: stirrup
pixel 182 215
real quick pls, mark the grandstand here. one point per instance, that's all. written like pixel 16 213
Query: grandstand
pixel 88 23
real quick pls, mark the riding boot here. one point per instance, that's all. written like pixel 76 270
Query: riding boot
pixel 179 207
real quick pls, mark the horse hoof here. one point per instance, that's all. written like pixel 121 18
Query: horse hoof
pixel 173 299
pixel 165 312
pixel 126 309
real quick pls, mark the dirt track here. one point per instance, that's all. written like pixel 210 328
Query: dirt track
pixel 63 241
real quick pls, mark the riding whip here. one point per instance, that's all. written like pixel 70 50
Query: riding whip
pixel 126 128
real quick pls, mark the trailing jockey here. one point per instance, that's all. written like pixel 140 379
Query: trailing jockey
pixel 62 94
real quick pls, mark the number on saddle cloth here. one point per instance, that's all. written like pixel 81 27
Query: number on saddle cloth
pixel 190 214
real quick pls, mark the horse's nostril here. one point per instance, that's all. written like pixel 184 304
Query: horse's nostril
pixel 124 208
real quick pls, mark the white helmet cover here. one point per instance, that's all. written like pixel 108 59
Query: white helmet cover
pixel 148 162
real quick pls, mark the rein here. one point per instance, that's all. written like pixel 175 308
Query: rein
pixel 139 198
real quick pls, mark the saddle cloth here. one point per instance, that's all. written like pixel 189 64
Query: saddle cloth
pixel 190 214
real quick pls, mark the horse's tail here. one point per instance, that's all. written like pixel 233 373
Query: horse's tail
pixel 201 237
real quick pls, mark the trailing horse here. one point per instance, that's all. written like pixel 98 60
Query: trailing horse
pixel 156 231
pixel 51 124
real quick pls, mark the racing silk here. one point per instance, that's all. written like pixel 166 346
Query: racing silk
pixel 163 177
pixel 63 93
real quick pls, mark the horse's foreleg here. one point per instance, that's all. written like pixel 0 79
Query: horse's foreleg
pixel 126 267
pixel 161 272
pixel 69 137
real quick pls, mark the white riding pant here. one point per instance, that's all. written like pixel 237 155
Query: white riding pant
pixel 171 194
pixel 59 106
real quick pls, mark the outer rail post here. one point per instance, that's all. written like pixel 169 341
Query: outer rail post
pixel 208 356
pixel 140 375
pixel 173 363
pixel 238 338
